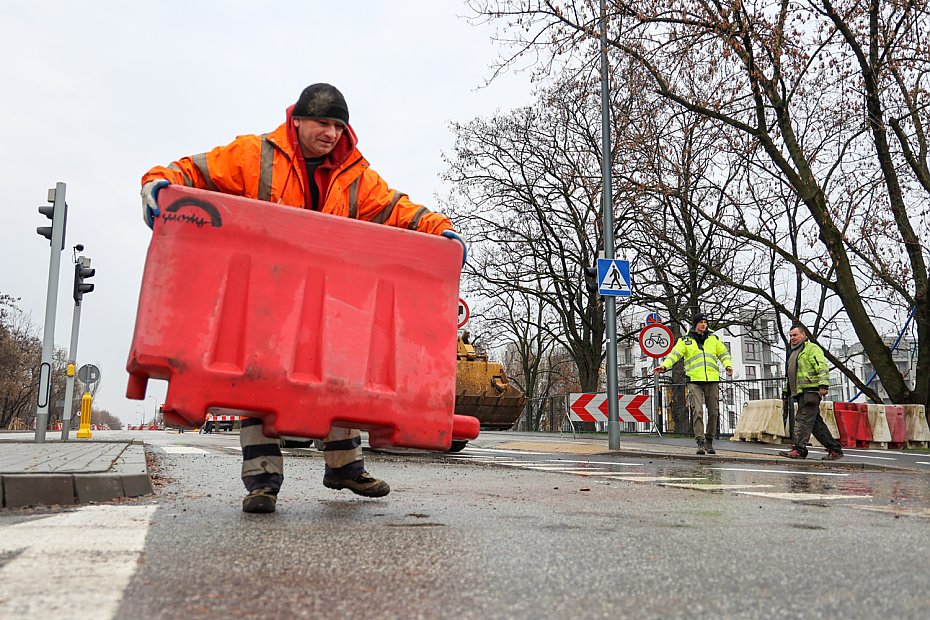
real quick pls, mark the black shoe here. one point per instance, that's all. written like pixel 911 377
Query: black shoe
pixel 363 485
pixel 832 456
pixel 260 501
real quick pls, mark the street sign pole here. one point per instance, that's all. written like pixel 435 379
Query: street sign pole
pixel 613 411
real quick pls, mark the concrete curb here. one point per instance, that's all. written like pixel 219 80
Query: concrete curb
pixel 126 476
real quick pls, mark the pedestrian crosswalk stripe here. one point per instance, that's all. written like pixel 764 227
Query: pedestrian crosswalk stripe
pixel 183 450
pixel 96 549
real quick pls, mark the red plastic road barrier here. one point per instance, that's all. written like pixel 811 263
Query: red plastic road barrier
pixel 864 427
pixel 302 319
pixel 847 422
pixel 897 425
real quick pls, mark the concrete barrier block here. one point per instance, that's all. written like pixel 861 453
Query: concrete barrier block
pixel 915 419
pixel 761 420
pixel 878 422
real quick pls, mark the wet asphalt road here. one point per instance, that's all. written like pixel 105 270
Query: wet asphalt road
pixel 493 533
pixel 499 534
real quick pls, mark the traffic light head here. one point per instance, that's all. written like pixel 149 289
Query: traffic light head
pixel 58 213
pixel 82 271
pixel 590 279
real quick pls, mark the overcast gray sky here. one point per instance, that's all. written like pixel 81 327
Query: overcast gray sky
pixel 98 92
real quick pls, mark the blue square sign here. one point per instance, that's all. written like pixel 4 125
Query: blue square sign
pixel 613 277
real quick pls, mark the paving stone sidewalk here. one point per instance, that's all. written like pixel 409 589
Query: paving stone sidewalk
pixel 72 472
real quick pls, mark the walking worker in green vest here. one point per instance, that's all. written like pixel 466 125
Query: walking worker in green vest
pixel 808 381
pixel 702 352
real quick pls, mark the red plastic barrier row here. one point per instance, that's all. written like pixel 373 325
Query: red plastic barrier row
pixel 304 320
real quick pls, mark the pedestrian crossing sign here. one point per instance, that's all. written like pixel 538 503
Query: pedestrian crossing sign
pixel 613 277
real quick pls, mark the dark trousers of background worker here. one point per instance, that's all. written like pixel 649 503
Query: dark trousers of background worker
pixel 807 422
pixel 263 465
pixel 699 394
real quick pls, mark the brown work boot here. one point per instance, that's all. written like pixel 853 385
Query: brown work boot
pixel 363 484
pixel 709 446
pixel 260 501
pixel 700 446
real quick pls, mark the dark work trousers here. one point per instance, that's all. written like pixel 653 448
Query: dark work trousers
pixel 263 465
pixel 807 422
pixel 700 394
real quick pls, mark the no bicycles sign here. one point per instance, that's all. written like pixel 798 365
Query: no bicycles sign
pixel 656 340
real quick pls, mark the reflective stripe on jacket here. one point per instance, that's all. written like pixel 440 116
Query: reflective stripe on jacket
pixel 813 371
pixel 701 364
pixel 271 167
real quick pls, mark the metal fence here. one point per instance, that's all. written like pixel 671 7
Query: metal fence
pixel 550 413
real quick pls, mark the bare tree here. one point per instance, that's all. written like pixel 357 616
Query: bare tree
pixel 805 91
pixel 528 196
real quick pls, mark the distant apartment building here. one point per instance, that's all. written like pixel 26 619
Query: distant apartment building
pixel 904 357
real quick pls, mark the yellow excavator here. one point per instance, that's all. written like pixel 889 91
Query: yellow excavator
pixel 483 390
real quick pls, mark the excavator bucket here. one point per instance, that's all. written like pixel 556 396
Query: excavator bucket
pixel 482 390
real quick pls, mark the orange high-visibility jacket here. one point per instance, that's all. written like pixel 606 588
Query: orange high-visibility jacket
pixel 271 167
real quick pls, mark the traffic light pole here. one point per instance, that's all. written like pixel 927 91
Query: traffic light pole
pixel 82 271
pixel 56 238
pixel 72 359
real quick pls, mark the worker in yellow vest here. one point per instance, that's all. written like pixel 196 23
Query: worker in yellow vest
pixel 702 353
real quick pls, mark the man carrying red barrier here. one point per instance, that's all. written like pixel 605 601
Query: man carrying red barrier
pixel 309 162
pixel 807 381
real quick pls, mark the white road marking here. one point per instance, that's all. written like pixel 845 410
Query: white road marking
pixel 599 462
pixel 239 448
pixel 650 478
pixel 94 549
pixel 895 510
pixel 470 449
pixel 789 472
pixel 714 487
pixel 610 473
pixel 802 497
pixel 883 451
pixel 484 459
pixel 183 450
pixel 922 462
pixel 845 450
pixel 579 472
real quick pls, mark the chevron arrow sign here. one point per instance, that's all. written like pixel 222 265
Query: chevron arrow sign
pixel 593 408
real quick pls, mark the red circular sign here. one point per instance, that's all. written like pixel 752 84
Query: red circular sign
pixel 464 312
pixel 656 340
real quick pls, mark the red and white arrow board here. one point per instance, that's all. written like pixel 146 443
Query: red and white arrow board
pixel 593 408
